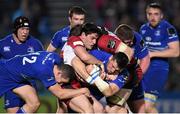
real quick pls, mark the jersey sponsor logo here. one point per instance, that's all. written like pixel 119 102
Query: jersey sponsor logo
pixel 111 44
pixel 154 43
pixel 6 48
pixel 157 33
pixel 78 43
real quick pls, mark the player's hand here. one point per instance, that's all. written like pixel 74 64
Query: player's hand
pixel 85 91
pixel 111 77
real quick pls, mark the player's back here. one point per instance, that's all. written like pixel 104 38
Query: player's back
pixel 37 65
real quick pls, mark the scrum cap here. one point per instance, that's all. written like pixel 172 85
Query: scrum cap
pixel 20 22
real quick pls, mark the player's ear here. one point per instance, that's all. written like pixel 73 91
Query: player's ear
pixel 162 16
pixel 69 19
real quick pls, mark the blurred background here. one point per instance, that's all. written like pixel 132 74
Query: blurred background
pixel 48 16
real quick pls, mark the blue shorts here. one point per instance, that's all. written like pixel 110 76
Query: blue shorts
pixel 137 92
pixel 155 79
pixel 6 85
pixel 12 100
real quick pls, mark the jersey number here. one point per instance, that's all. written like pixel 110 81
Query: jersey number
pixel 29 60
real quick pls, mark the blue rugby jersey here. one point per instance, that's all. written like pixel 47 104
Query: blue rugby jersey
pixel 9 48
pixel 60 37
pixel 38 65
pixel 157 39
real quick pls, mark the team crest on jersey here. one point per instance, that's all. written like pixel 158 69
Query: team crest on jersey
pixel 30 50
pixel 111 44
pixel 157 33
pixel 143 31
pixel 6 48
pixel 148 38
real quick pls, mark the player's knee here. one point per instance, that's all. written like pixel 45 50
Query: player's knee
pixel 99 109
pixel 12 110
pixel 89 109
pixel 34 104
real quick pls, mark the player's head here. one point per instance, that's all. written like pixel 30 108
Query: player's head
pixel 117 62
pixel 125 33
pixel 154 13
pixel 64 73
pixel 21 27
pixel 76 16
pixel 88 33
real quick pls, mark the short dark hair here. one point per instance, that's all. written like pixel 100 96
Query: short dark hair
pixel 67 71
pixel 87 28
pixel 124 32
pixel 154 5
pixel 76 10
pixel 121 59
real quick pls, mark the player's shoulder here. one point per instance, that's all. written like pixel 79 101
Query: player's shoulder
pixel 64 30
pixel 74 38
pixel 166 24
pixel 6 38
pixel 33 39
pixel 144 26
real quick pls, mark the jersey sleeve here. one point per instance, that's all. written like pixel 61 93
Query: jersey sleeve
pixel 172 34
pixel 100 55
pixel 141 49
pixel 108 43
pixel 121 79
pixel 48 81
pixel 57 39
pixel 75 41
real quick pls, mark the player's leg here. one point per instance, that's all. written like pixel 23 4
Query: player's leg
pixel 136 100
pixel 153 82
pixel 61 107
pixel 150 103
pixel 29 95
pixel 97 106
pixel 81 104
pixel 12 102
pixel 115 109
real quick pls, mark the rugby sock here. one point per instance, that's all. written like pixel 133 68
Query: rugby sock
pixel 21 110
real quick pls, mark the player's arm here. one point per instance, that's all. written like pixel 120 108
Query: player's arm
pixel 51 48
pixel 80 68
pixel 144 63
pixel 87 58
pixel 67 93
pixel 172 51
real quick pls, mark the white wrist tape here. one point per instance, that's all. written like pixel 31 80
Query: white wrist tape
pixel 89 80
pixel 95 73
pixel 101 84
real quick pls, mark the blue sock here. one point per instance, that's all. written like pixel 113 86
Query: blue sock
pixel 21 110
